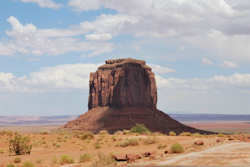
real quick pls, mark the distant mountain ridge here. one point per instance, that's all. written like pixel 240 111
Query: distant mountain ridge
pixel 35 120
pixel 60 120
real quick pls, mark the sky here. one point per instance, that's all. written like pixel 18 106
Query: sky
pixel 199 51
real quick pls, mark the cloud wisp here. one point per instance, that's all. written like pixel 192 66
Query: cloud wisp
pixel 44 3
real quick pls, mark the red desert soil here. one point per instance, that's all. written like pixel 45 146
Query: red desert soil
pixel 49 147
pixel 222 126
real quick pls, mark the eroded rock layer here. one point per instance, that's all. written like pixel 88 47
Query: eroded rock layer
pixel 123 92
pixel 123 83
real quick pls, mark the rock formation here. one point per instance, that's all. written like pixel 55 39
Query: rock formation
pixel 123 83
pixel 123 92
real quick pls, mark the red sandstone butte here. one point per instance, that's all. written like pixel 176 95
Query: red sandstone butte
pixel 123 92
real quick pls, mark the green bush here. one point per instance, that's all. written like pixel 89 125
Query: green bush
pixel 17 160
pixel 103 132
pixel 185 134
pixel 20 145
pixel 221 135
pixel 97 145
pixel 129 142
pixel 54 160
pixel 10 165
pixel 172 133
pixel 85 158
pixel 161 146
pixel 28 164
pixel 149 140
pixel 104 161
pixel 140 128
pixel 196 134
pixel 177 148
pixel 65 159
pixel 87 135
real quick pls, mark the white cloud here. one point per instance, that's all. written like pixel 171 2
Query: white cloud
pixel 112 24
pixel 50 79
pixel 76 76
pixel 217 83
pixel 85 5
pixel 44 3
pixel 207 61
pixel 219 26
pixel 235 47
pixel 161 69
pixel 99 37
pixel 28 39
pixel 229 64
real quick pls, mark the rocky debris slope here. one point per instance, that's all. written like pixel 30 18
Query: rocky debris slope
pixel 123 92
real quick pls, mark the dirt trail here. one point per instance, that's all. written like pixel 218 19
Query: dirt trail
pixel 233 154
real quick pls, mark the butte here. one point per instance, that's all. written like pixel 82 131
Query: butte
pixel 122 93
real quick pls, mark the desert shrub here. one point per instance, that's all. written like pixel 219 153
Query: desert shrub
pixel 44 133
pixel 172 133
pixel 126 132
pixel 196 135
pixel 185 134
pixel 161 146
pixel 118 132
pixel 20 145
pixel 103 132
pixel 129 142
pixel 6 132
pixel 104 161
pixel 177 148
pixel 39 161
pixel 113 138
pixel 221 135
pixel 149 140
pixel 140 128
pixel 28 164
pixel 97 145
pixel 65 159
pixel 87 135
pixel 10 165
pixel 157 134
pixel 85 157
pixel 1 151
pixel 54 160
pixel 17 160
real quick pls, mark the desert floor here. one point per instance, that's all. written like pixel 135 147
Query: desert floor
pixel 223 126
pixel 50 144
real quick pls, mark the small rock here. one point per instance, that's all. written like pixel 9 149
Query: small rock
pixel 199 142
pixel 147 154
pixel 132 157
pixel 120 157
pixel 218 140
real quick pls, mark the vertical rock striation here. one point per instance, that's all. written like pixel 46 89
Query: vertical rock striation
pixel 123 83
pixel 123 92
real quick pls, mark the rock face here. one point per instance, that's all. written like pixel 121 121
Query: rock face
pixel 123 92
pixel 123 83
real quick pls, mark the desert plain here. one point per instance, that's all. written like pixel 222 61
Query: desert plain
pixel 53 147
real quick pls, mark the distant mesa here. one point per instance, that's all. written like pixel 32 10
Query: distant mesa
pixel 123 92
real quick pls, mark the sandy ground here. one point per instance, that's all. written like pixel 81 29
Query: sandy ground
pixel 223 126
pixel 48 148
pixel 230 154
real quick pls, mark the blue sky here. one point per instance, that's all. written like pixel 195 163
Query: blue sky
pixel 198 49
